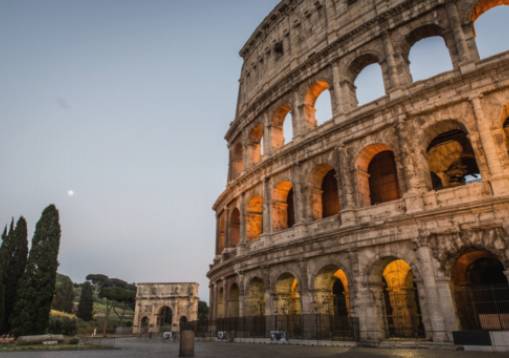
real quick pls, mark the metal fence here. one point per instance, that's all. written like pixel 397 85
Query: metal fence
pixel 305 326
pixel 483 307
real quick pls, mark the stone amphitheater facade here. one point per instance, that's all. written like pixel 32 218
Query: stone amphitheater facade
pixel 403 199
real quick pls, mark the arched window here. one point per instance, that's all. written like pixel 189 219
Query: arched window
pixel 236 161
pixel 255 146
pixel 491 19
pixel 254 218
pixel 330 200
pixel 429 57
pixel 383 178
pixel 318 104
pixel 367 79
pixel 282 127
pixel 324 192
pixel 332 293
pixel 450 155
pixel 234 234
pixel 283 214
pixel 221 233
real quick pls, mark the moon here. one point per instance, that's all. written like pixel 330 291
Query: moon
pixel 70 193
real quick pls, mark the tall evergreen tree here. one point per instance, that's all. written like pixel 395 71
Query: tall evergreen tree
pixel 4 258
pixel 15 266
pixel 37 286
pixel 86 305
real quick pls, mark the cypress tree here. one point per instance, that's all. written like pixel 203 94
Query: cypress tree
pixel 37 286
pixel 86 305
pixel 4 258
pixel 15 266
pixel 64 294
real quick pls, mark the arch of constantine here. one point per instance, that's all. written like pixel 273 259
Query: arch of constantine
pixel 161 307
pixel 391 217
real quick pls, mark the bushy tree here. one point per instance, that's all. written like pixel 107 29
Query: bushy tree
pixel 86 305
pixel 64 294
pixel 37 285
pixel 15 266
pixel 203 311
pixel 4 261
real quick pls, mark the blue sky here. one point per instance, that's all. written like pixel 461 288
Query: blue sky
pixel 126 103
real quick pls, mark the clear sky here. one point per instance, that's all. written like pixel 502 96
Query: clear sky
pixel 125 103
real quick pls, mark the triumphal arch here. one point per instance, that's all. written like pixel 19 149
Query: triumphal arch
pixel 391 217
pixel 162 307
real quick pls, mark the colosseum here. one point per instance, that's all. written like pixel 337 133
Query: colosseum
pixel 389 219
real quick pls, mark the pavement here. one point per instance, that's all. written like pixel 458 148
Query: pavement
pixel 156 348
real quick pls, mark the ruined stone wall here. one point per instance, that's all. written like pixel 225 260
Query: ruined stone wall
pixel 303 48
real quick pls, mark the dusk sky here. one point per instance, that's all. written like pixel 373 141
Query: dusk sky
pixel 126 104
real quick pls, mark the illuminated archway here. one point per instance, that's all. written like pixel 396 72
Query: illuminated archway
pixel 481 291
pixel 233 301
pixel 236 160
pixel 234 234
pixel 255 298
pixel 506 130
pixel 221 233
pixel 255 145
pixel 283 211
pixel 402 310
pixel 282 127
pixel 254 225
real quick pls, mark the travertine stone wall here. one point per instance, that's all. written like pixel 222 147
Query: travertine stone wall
pixel 152 298
pixel 304 47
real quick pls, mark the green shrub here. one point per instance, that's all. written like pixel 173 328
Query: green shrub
pixel 62 325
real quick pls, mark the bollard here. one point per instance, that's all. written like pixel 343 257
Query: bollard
pixel 186 343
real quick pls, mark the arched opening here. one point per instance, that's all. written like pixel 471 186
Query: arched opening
pixel 254 225
pixel 402 309
pixel 333 299
pixel 255 298
pixel 144 325
pixel 330 199
pixel 165 319
pixel 318 104
pixel 234 234
pixel 233 301
pixel 255 146
pixel 506 130
pixel 429 57
pixel 324 192
pixel 481 291
pixel 377 177
pixel 288 306
pixel 283 213
pixel 221 234
pixel 236 161
pixel 220 313
pixel 367 79
pixel 450 156
pixel 491 19
pixel 282 127
pixel 427 52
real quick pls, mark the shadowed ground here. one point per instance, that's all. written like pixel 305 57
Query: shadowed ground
pixel 141 348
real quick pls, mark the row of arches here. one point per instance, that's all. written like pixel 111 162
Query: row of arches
pixel 448 157
pixel 164 322
pixel 367 78
pixel 478 285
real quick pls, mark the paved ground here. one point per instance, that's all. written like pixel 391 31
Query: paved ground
pixel 136 348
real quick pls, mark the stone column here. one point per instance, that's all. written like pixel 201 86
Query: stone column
pixel 212 315
pixel 395 77
pixel 465 53
pixel 299 202
pixel 447 305
pixel 345 98
pixel 267 136
pixel 226 228
pixel 345 171
pixel 243 216
pixel 498 178
pixel 267 206
pixel 433 309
